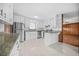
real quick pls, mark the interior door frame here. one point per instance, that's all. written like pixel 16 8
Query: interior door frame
pixel 62 25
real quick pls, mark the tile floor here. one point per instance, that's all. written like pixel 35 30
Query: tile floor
pixel 38 48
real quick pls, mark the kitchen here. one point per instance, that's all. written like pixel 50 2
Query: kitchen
pixel 29 27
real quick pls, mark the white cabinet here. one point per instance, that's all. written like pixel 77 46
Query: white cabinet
pixel 31 35
pixel 16 47
pixel 11 13
pixel 1 11
pixel 18 18
pixel 7 12
pixel 57 22
pixel 21 19
pixel 51 38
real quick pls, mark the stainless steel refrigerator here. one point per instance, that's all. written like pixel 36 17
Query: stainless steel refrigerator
pixel 19 28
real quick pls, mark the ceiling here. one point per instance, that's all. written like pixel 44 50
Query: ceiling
pixel 43 11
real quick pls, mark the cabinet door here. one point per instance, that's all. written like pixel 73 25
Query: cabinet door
pixel 21 19
pixel 1 9
pixel 57 22
pixel 8 12
pixel 15 50
pixel 31 35
pixel 18 18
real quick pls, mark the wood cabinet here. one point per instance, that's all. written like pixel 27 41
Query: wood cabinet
pixel 72 40
pixel 70 34
pixel 71 29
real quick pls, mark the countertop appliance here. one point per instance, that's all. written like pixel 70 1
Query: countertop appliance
pixel 19 28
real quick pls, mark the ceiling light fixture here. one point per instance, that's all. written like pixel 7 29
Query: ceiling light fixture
pixel 36 17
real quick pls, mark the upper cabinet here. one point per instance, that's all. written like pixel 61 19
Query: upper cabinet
pixel 11 13
pixel 7 12
pixel 18 18
pixel 1 11
pixel 57 22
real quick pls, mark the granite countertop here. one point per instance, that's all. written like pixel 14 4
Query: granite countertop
pixel 46 31
pixel 51 31
pixel 7 42
pixel 33 30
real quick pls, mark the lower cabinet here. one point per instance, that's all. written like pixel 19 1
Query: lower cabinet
pixel 31 35
pixel 16 47
pixel 72 40
pixel 51 38
pixel 70 34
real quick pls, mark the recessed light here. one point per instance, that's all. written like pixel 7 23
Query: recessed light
pixel 36 17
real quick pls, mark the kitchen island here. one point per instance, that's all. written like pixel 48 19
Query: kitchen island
pixel 7 42
pixel 51 37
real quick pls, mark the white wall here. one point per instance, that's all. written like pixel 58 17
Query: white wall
pixel 71 20
pixel 71 17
